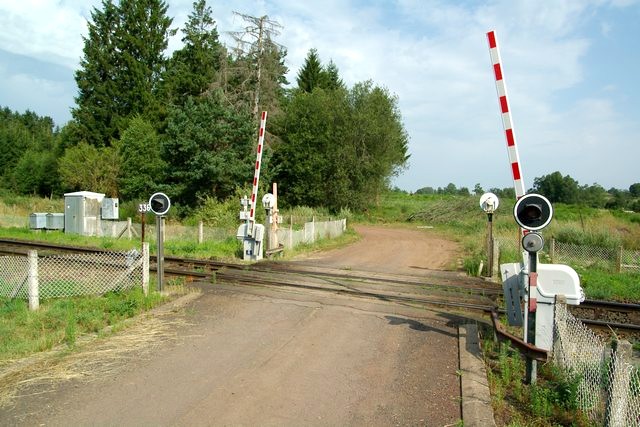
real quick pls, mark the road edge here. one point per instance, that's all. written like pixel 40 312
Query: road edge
pixel 474 386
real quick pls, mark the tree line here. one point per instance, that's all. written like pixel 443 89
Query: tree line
pixel 186 123
pixel 559 189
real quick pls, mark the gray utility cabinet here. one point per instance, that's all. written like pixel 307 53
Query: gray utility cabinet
pixel 82 213
pixel 55 221
pixel 38 220
pixel 110 209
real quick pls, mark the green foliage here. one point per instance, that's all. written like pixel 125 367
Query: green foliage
pixel 310 75
pixel 194 68
pixel 86 167
pixel 27 155
pixel 142 168
pixel 557 188
pixel 215 213
pixel 208 150
pixel 119 73
pixel 313 75
pixel 340 147
pixel 35 173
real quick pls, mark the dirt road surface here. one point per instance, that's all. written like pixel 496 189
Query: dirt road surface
pixel 247 356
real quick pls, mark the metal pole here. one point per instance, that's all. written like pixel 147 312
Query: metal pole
pixel 160 241
pixel 532 368
pixel 489 244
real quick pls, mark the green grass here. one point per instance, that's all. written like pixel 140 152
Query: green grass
pixel 599 284
pixel 551 401
pixel 61 321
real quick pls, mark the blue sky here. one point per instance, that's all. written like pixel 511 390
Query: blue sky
pixel 572 70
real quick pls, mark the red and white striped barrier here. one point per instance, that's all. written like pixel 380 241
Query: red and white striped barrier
pixel 501 88
pixel 256 175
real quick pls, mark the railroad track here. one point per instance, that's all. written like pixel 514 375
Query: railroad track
pixel 437 289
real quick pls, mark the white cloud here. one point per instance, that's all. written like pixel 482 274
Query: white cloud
pixel 44 29
pixel 433 54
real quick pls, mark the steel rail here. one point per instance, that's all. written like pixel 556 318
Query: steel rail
pixel 216 266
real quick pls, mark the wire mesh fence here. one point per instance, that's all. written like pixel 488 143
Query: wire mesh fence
pixel 608 390
pixel 69 275
pixel 616 259
pixel 311 232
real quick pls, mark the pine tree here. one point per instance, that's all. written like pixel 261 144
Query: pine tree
pixel 194 68
pixel 121 67
pixel 208 149
pixel 331 78
pixel 310 75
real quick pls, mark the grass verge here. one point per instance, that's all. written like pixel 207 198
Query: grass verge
pixel 552 401
pixel 62 321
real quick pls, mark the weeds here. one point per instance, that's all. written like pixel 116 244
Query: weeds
pixel 61 321
pixel 553 400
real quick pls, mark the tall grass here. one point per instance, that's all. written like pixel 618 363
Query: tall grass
pixel 553 400
pixel 61 321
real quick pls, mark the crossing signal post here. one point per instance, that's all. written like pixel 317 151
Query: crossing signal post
pixel 532 212
pixel 159 203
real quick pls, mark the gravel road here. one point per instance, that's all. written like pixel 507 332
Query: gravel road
pixel 259 356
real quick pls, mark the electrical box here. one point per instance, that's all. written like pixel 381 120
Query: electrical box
pixel 513 291
pixel 251 244
pixel 38 221
pixel 82 212
pixel 110 209
pixel 55 221
pixel 558 279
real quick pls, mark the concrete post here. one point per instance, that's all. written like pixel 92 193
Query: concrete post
pixel 618 399
pixel 145 268
pixel 619 260
pixel 200 232
pixel 33 285
pixel 129 228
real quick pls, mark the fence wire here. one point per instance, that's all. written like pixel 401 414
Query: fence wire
pixel 72 275
pixel 579 256
pixel 608 384
pixel 14 271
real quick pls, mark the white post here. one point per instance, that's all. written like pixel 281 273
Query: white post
pixel 129 228
pixel 200 232
pixel 145 268
pixel 291 232
pixel 618 402
pixel 33 286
